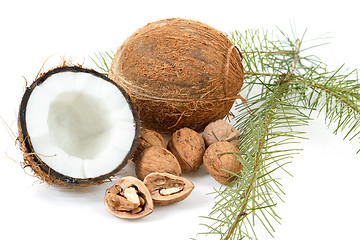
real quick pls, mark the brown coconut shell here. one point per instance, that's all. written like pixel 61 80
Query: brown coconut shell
pixel 32 159
pixel 179 73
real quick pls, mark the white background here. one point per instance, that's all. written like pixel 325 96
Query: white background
pixel 323 197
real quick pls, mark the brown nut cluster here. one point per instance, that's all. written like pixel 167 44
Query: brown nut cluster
pixel 188 147
pixel 128 198
pixel 216 159
pixel 166 188
pixel 221 130
pixel 156 159
pixel 149 138
pixel 160 168
pixel 187 150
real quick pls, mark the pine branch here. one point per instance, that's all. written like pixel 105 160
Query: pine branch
pixel 288 88
pixel 266 136
pixel 265 130
pixel 336 94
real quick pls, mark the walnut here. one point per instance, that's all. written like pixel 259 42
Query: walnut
pixel 128 198
pixel 149 138
pixel 166 188
pixel 221 130
pixel 214 163
pixel 156 159
pixel 188 147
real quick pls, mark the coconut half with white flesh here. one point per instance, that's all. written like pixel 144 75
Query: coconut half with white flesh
pixel 76 127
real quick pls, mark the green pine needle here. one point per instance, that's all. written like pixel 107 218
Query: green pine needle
pixel 102 61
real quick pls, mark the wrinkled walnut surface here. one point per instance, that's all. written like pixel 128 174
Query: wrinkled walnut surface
pixel 188 147
pixel 128 198
pixel 221 130
pixel 149 138
pixel 214 162
pixel 156 159
pixel 166 188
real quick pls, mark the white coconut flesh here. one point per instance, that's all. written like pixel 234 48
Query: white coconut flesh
pixel 79 124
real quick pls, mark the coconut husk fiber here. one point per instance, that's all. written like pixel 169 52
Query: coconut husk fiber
pixel 179 73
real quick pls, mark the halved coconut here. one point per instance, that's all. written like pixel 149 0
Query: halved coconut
pixel 76 127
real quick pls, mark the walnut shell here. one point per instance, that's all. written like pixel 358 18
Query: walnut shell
pixel 214 162
pixel 156 159
pixel 166 188
pixel 149 138
pixel 221 130
pixel 188 147
pixel 133 204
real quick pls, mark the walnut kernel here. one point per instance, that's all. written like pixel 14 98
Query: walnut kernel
pixel 166 188
pixel 128 198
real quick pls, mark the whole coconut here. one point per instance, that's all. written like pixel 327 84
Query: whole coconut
pixel 179 73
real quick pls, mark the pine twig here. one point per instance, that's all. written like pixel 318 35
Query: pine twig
pixel 260 148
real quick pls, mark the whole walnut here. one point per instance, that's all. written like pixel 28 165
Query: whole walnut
pixel 156 159
pixel 221 130
pixel 188 147
pixel 215 160
pixel 149 138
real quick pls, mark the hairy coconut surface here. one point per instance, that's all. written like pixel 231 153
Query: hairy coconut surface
pixel 76 127
pixel 179 73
